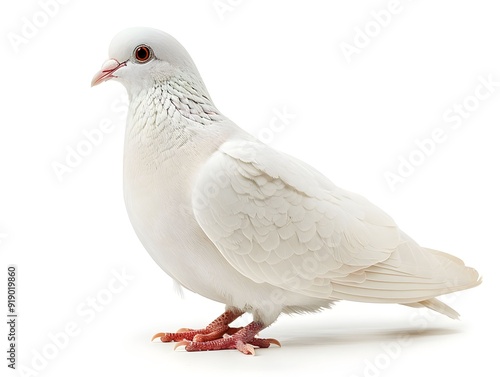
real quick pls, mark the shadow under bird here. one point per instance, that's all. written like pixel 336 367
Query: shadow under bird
pixel 238 222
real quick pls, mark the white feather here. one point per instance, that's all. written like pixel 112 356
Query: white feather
pixel 243 224
pixel 332 244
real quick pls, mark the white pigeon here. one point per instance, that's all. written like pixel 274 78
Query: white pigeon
pixel 238 222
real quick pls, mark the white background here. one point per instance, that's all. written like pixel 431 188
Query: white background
pixel 352 121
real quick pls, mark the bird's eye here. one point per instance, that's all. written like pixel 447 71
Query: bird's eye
pixel 142 54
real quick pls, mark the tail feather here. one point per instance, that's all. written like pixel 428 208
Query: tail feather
pixel 412 276
pixel 438 306
pixel 468 278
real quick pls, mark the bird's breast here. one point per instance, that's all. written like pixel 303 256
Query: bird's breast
pixel 158 184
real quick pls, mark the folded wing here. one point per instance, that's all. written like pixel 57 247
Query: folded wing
pixel 278 220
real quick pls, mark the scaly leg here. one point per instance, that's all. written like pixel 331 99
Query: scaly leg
pixel 243 340
pixel 214 330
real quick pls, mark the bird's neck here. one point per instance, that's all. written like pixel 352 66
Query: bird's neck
pixel 172 129
pixel 171 112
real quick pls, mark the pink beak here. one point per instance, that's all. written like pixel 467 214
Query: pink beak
pixel 108 68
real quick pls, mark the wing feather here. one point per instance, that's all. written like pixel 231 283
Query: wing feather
pixel 277 220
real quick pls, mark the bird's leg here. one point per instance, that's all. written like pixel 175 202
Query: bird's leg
pixel 243 340
pixel 214 330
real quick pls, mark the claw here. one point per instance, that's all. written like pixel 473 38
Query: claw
pixel 246 349
pixel 184 329
pixel 274 341
pixel 180 344
pixel 159 335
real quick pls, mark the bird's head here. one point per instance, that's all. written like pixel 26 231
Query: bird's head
pixel 140 57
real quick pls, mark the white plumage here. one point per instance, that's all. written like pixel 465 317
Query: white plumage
pixel 238 222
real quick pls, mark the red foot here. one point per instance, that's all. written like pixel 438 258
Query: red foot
pixel 243 340
pixel 214 330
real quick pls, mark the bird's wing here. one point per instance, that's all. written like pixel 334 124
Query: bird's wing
pixel 278 220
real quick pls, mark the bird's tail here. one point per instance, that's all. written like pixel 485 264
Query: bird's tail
pixel 466 277
pixel 414 276
pixel 438 306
